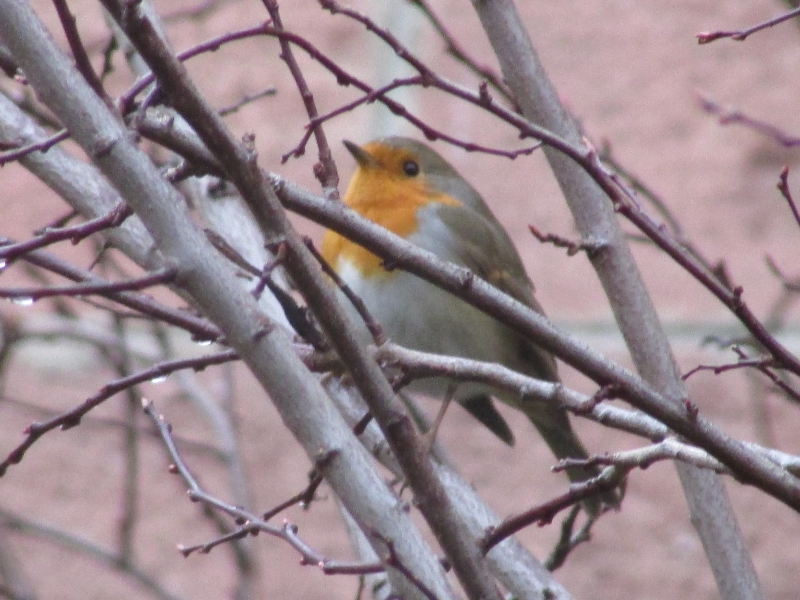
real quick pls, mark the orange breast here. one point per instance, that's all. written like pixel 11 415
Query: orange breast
pixel 392 202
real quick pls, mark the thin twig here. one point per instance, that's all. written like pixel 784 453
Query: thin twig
pixel 200 328
pixel 82 62
pixel 740 35
pixel 247 99
pixel 211 45
pixel 72 418
pixel 783 187
pixel 609 479
pixel 325 171
pixel 249 523
pixel 455 50
pixel 43 146
pixel 33 294
pixel 76 233
pixel 728 116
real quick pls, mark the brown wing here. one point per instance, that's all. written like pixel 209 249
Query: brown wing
pixel 484 247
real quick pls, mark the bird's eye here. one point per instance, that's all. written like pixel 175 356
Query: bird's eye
pixel 411 168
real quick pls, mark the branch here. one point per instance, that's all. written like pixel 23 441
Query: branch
pixel 30 295
pixel 740 35
pixel 728 116
pixel 542 514
pixel 201 329
pixel 456 51
pixel 585 192
pixel 783 187
pixel 76 233
pixel 325 171
pixel 42 146
pixel 84 546
pixel 72 418
pixel 249 523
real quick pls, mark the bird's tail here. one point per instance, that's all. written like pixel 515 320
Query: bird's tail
pixel 554 426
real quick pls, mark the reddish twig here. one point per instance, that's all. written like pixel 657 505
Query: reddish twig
pixel 763 365
pixel 394 561
pixel 249 524
pixel 727 294
pixel 82 62
pixel 609 391
pixel 29 295
pixel 75 234
pixel 766 368
pixel 544 513
pixel 728 116
pixel 211 45
pixel 640 187
pixel 376 94
pixel 265 275
pixel 718 369
pixel 42 146
pixel 740 35
pixel 428 79
pixel 200 328
pixel 783 187
pixel 325 171
pixel 304 497
pixel 73 417
pixel 488 74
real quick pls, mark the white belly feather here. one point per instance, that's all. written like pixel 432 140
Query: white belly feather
pixel 418 315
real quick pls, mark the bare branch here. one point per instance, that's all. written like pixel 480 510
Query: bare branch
pixel 728 116
pixel 73 417
pixel 742 34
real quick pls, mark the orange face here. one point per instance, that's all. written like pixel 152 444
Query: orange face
pixel 388 190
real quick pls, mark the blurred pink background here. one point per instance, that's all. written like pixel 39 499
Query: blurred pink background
pixel 630 72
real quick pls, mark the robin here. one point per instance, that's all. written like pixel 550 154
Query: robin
pixel 406 187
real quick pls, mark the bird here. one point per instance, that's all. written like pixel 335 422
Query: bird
pixel 405 186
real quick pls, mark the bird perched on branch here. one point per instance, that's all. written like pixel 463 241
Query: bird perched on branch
pixel 409 189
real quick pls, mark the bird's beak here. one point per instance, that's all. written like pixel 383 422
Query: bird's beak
pixel 363 158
